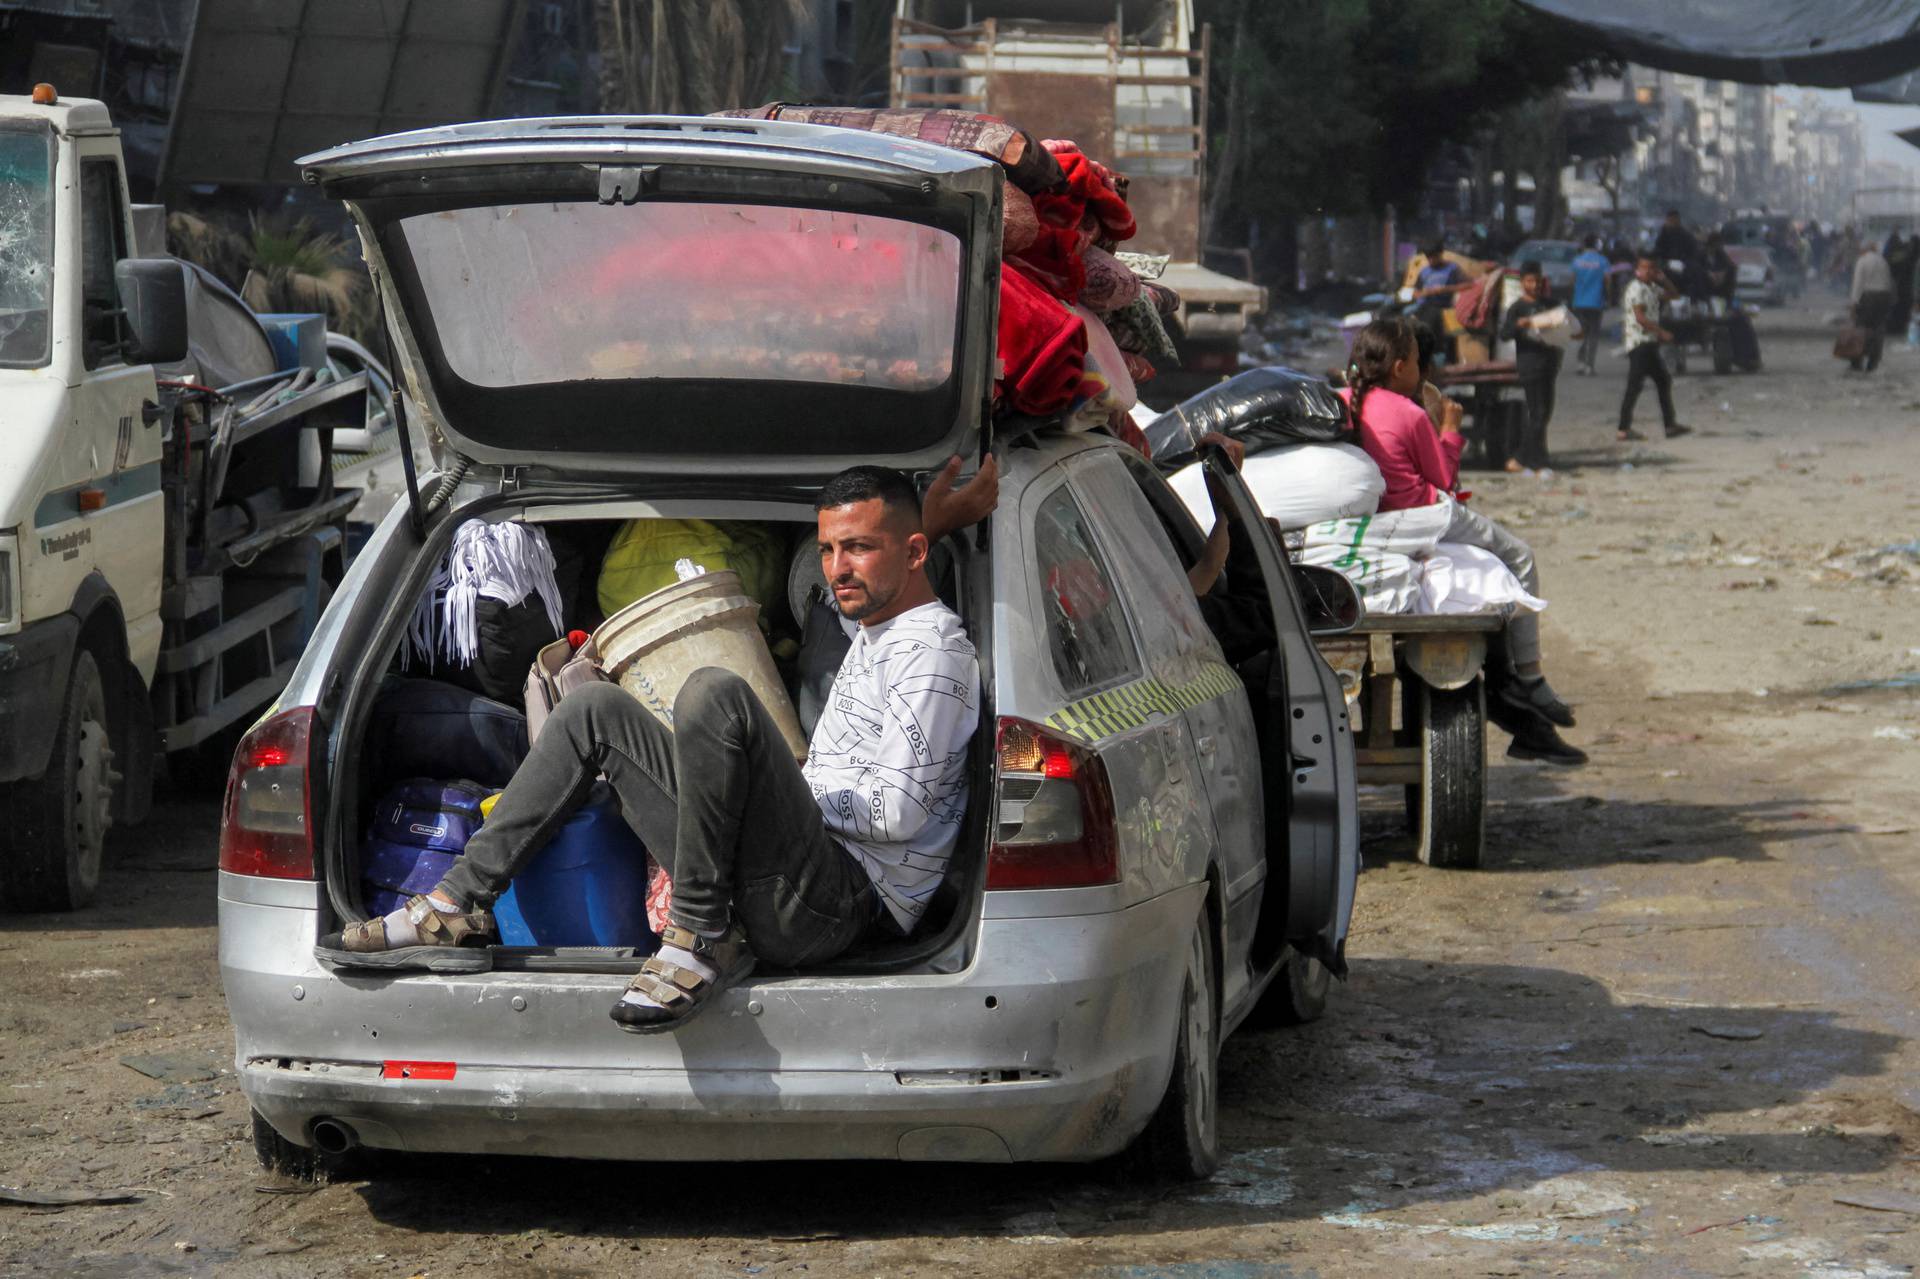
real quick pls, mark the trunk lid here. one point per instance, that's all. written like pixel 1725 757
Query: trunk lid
pixel 611 296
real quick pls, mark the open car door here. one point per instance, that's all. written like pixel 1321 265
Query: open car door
pixel 1306 748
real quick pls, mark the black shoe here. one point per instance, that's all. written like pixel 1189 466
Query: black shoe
pixel 1536 696
pixel 1675 431
pixel 1629 434
pixel 1540 742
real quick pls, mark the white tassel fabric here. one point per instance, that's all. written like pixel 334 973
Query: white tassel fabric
pixel 506 562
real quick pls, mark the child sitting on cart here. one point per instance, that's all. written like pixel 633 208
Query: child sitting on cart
pixel 1421 468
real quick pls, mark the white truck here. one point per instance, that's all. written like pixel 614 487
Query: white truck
pixel 1127 80
pixel 169 520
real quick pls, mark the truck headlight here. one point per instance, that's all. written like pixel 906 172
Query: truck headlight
pixel 9 583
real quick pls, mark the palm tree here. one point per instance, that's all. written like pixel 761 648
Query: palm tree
pixel 674 58
pixel 280 263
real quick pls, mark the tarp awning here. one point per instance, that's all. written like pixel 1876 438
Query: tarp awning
pixel 266 81
pixel 1902 90
pixel 1835 43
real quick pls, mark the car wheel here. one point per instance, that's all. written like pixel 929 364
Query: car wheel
pixel 1182 1140
pixel 53 828
pixel 280 1156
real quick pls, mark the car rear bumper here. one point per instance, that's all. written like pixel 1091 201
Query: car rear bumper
pixel 1055 1044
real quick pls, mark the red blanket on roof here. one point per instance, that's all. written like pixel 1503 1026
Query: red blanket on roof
pixel 1090 208
pixel 1043 347
pixel 1094 187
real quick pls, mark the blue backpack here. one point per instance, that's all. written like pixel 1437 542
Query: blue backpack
pixel 419 829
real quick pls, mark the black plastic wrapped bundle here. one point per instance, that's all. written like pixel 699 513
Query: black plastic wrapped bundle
pixel 1262 408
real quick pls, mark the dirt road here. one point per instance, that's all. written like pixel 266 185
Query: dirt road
pixel 1670 1030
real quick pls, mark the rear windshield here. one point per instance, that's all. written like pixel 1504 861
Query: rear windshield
pixel 26 243
pixel 535 294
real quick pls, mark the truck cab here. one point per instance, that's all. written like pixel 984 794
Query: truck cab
pixel 119 636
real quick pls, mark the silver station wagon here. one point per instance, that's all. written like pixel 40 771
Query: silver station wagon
pixel 605 319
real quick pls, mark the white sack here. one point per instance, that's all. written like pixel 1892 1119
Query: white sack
pixel 1387 582
pixel 1413 532
pixel 1553 327
pixel 1458 578
pixel 1296 484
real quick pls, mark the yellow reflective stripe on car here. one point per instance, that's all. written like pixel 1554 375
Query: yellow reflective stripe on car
pixel 1116 710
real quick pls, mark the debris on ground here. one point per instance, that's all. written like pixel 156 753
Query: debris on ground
pixel 64 1198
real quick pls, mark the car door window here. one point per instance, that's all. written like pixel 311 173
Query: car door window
pixel 103 234
pixel 1087 636
pixel 1151 569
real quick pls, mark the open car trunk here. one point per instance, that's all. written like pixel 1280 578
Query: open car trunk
pixel 369 756
pixel 694 317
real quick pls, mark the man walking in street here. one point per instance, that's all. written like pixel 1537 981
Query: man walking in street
pixel 1872 298
pixel 1589 300
pixel 1641 324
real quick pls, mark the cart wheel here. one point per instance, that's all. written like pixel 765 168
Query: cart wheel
pixel 1722 351
pixel 1410 735
pixel 1453 774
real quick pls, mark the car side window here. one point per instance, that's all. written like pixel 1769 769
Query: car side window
pixel 103 236
pixel 1087 636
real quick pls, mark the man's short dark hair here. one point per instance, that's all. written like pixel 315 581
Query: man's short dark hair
pixel 864 484
pixel 1436 248
pixel 1673 213
pixel 1531 267
pixel 1590 242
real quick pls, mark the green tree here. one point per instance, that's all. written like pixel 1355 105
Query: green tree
pixel 689 59
pixel 1340 106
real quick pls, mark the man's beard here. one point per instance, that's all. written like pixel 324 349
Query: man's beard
pixel 875 601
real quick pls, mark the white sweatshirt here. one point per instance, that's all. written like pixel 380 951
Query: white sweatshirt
pixel 888 758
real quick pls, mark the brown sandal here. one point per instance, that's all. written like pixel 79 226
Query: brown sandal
pixel 449 943
pixel 682 992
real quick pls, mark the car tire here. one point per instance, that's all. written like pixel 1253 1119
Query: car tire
pixel 1452 824
pixel 1182 1140
pixel 281 1157
pixel 53 828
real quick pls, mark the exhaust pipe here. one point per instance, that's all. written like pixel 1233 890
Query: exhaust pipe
pixel 334 1136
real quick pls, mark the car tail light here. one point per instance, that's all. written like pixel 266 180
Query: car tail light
pixel 1054 824
pixel 266 827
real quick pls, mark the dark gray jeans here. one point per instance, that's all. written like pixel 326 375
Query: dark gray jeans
pixel 1589 317
pixel 1475 529
pixel 717 799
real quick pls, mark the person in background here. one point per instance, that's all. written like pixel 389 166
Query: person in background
pixel 1675 243
pixel 1902 254
pixel 1537 362
pixel 1435 277
pixel 1722 275
pixel 1590 267
pixel 1872 297
pixel 1643 336
pixel 1421 468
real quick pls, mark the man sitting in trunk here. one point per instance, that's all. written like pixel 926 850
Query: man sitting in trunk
pixel 769 859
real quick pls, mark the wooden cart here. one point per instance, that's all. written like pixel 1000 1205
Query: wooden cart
pixel 1428 670
pixel 1488 391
